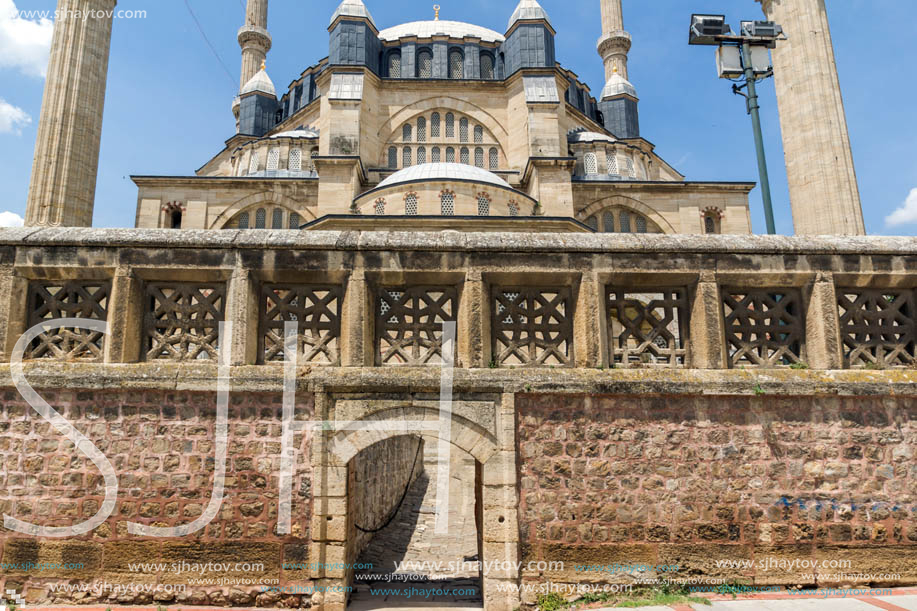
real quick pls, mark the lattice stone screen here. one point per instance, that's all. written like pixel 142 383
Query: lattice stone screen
pixel 67 299
pixel 647 327
pixel 409 324
pixel 317 312
pixel 764 327
pixel 182 320
pixel 532 327
pixel 878 327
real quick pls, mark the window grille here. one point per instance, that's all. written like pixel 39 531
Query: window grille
pixel 494 159
pixel 436 154
pixel 463 130
pixel 463 156
pixel 409 324
pixel 479 157
pixel 421 155
pixel 764 327
pixel 612 164
pixel 647 328
pixel 478 134
pixel 513 209
pixel 260 218
pixel 294 221
pixel 450 125
pixel 425 64
pixel 392 157
pixel 254 162
pixel 434 125
pixel 532 327
pixel 878 327
pixel 624 219
pixel 48 301
pixel 243 220
pixel 629 165
pixel 182 320
pixel 450 155
pixel 277 219
pixel 406 157
pixel 379 209
pixel 394 65
pixel 406 133
pixel 410 204
pixel 640 222
pixel 317 312
pixel 421 129
pixel 591 163
pixel 483 205
pixel 608 222
pixel 447 203
pixel 456 64
pixel 295 161
pixel 487 66
pixel 273 159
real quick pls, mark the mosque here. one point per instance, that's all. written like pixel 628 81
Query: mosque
pixel 435 125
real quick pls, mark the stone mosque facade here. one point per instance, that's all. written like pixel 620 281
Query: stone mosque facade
pixel 440 124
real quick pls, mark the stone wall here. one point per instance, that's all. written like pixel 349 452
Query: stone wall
pixel 377 479
pixel 161 445
pixel 689 480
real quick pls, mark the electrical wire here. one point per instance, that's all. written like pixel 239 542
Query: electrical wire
pixel 207 40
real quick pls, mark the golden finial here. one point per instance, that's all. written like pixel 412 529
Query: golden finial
pixel 436 12
pixel 616 68
pixel 263 64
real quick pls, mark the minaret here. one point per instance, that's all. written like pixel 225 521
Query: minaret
pixel 254 40
pixel 66 163
pixel 618 102
pixel 819 163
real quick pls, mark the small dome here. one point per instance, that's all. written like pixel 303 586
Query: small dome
pixel 589 137
pixel 303 132
pixel 352 8
pixel 618 85
pixel 261 83
pixel 443 171
pixel 428 29
pixel 527 9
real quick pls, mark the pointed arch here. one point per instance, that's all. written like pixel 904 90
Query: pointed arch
pixel 621 201
pixel 265 197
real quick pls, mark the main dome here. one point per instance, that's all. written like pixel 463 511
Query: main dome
pixel 443 171
pixel 428 29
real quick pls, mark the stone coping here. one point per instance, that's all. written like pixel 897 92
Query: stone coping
pixel 269 378
pixel 458 241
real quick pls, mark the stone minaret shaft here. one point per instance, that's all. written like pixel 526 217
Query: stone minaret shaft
pixel 615 42
pixel 254 40
pixel 819 163
pixel 66 164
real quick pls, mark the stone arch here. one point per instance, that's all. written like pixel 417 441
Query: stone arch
pixel 625 202
pixel 408 113
pixel 395 422
pixel 265 197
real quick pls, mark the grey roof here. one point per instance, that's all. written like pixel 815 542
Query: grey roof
pixel 618 85
pixel 589 137
pixel 261 82
pixel 352 8
pixel 443 171
pixel 427 29
pixel 540 89
pixel 527 9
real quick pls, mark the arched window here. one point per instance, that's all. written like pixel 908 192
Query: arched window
pixel 254 163
pixel 447 203
pixel 394 64
pixel 640 223
pixel 450 155
pixel 406 157
pixel 410 204
pixel 612 162
pixel 421 129
pixel 260 218
pixel 712 221
pixel 513 209
pixel 312 157
pixel 494 159
pixel 243 220
pixel 294 220
pixel 624 221
pixel 478 134
pixel 379 208
pixel 175 220
pixel 434 125
pixel 479 157
pixel 593 223
pixel 591 163
pixel 406 132
pixel 425 64
pixel 392 157
pixel 277 219
pixel 295 162
pixel 450 125
pixel 463 130
pixel 483 205
pixel 273 159
pixel 436 157
pixel 421 155
pixel 487 66
pixel 608 222
pixel 463 156
pixel 629 167
pixel 456 64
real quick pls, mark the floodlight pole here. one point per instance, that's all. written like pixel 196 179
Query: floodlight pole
pixel 753 110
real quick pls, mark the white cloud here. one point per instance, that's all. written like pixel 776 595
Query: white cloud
pixel 25 44
pixel 906 213
pixel 10 219
pixel 12 118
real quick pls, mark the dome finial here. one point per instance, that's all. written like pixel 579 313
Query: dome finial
pixel 436 8
pixel 264 64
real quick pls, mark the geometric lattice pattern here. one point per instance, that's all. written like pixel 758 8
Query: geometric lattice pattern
pixel 764 327
pixel 532 327
pixel 647 328
pixel 878 327
pixel 67 299
pixel 409 324
pixel 317 312
pixel 182 320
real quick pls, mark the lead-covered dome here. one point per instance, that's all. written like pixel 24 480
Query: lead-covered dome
pixel 428 29
pixel 443 171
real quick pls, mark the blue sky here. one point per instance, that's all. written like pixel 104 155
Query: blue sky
pixel 168 101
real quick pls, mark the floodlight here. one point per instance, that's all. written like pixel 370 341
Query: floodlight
pixel 763 29
pixel 705 29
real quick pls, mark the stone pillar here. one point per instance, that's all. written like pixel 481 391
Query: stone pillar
pixel 357 318
pixel 14 298
pixel 706 345
pixel 66 163
pixel 473 324
pixel 615 42
pixel 125 318
pixel 588 348
pixel 242 310
pixel 254 40
pixel 823 340
pixel 819 164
